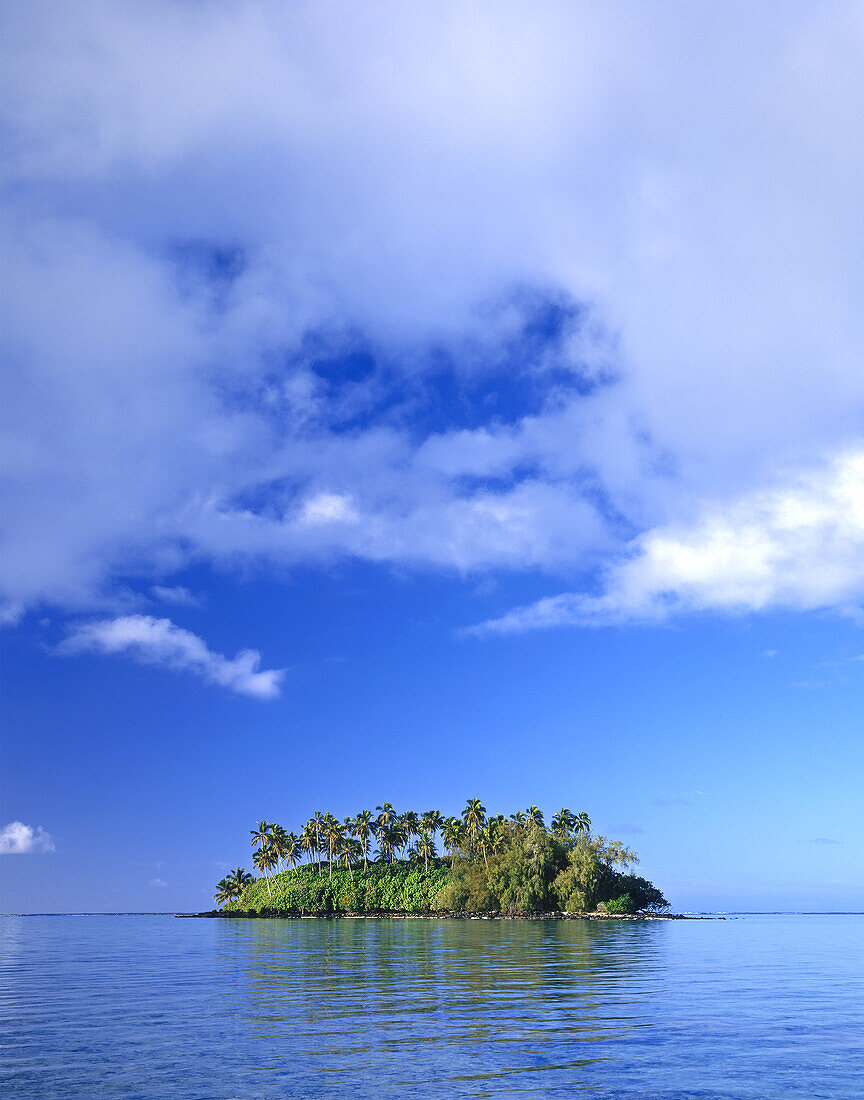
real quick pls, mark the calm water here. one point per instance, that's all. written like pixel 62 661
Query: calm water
pixel 755 1007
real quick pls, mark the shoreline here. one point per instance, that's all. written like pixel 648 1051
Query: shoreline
pixel 251 914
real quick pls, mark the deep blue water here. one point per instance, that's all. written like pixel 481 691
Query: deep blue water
pixel 143 1006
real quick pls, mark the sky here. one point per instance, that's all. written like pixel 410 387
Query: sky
pixel 416 402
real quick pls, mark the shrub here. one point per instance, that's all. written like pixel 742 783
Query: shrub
pixel 521 877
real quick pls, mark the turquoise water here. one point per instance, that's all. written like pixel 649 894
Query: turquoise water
pixel 146 1006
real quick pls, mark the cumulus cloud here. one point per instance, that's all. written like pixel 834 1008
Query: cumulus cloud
pixel 17 839
pixel 799 545
pixel 199 248
pixel 159 641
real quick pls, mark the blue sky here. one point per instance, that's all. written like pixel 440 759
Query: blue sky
pixel 420 402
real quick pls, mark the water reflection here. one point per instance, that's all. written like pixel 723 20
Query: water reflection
pixel 156 1008
pixel 457 1001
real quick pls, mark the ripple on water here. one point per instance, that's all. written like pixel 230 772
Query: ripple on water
pixel 753 1008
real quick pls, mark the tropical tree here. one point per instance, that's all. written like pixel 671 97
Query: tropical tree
pixel 278 842
pixel 308 841
pixel 581 823
pixel 453 833
pixel 265 860
pixel 262 838
pixel 499 833
pixel 223 893
pixel 232 886
pixel 261 834
pixel 364 829
pixel 239 879
pixel 334 834
pixel 410 824
pixel 386 814
pixel 483 840
pixel 317 823
pixel 431 821
pixel 535 814
pixel 390 837
pixel 424 849
pixel 349 853
pixel 474 816
pixel 292 849
pixel 563 823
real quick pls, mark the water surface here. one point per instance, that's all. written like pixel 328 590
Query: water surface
pixel 144 1006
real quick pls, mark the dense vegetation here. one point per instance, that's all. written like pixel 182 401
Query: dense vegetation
pixel 492 864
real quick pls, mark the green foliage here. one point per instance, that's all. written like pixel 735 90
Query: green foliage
pixel 624 904
pixel 590 874
pixel 521 874
pixel 644 895
pixel 396 887
pixel 467 891
pixel 493 864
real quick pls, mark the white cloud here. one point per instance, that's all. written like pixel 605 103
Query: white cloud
pixel 327 508
pixel 159 641
pixel 175 594
pixel 16 838
pixel 158 882
pixel 799 545
pixel 393 169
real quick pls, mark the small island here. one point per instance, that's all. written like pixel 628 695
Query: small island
pixel 387 864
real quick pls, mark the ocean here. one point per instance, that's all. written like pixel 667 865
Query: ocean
pixel 749 1007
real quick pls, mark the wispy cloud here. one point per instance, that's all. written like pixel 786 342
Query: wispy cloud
pixel 825 840
pixel 177 595
pixel 798 545
pixel 17 839
pixel 159 641
pixel 158 882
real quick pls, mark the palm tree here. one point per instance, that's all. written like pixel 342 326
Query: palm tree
pixel 386 813
pixel 278 841
pixel 431 821
pixel 265 859
pixel 474 816
pixel 498 829
pixel 223 892
pixel 517 820
pixel 453 832
pixel 535 814
pixel 581 823
pixel 390 837
pixel 239 879
pixel 307 840
pixel 349 852
pixel 232 886
pixel 562 823
pixel 293 849
pixel 410 823
pixel 485 838
pixel 424 849
pixel 262 835
pixel 317 823
pixel 364 829
pixel 334 833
